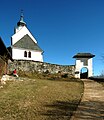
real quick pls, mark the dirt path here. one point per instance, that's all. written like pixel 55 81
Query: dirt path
pixel 92 103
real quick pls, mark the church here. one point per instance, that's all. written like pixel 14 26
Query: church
pixel 23 45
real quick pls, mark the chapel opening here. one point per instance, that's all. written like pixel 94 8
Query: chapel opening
pixel 84 73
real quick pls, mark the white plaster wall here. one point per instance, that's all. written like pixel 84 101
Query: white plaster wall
pixel 18 28
pixel 19 54
pixel 80 65
pixel 90 67
pixel 20 33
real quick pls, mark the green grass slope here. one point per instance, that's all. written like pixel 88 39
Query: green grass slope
pixel 39 99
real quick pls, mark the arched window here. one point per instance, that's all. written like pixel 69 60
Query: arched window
pixel 25 54
pixel 29 54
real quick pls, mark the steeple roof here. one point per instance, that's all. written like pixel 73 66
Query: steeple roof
pixel 21 22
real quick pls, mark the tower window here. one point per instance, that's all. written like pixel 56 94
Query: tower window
pixel 29 54
pixel 25 54
pixel 85 62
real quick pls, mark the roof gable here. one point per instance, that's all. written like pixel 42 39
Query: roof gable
pixel 27 43
pixel 20 34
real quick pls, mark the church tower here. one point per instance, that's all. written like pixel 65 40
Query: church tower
pixel 23 44
pixel 20 24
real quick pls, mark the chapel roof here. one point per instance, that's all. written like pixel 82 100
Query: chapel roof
pixel 83 55
pixel 27 43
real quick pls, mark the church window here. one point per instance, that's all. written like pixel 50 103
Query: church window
pixel 29 54
pixel 25 54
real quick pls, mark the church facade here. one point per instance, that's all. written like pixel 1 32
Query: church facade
pixel 23 45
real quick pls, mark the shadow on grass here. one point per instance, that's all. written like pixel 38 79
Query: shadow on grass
pixel 60 110
pixel 98 79
pixel 65 80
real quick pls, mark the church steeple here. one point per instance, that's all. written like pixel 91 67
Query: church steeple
pixel 21 22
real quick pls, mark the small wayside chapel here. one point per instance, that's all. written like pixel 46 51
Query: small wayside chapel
pixel 83 65
pixel 23 45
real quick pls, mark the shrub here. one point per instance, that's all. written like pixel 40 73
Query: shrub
pixel 64 75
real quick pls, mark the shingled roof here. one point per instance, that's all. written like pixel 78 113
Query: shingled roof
pixel 27 43
pixel 83 55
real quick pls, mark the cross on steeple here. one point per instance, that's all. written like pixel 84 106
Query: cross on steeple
pixel 21 17
pixel 21 22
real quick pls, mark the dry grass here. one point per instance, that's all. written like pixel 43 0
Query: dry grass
pixel 38 99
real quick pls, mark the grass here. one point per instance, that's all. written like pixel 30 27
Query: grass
pixel 40 99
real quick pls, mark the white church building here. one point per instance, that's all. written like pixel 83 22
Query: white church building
pixel 23 45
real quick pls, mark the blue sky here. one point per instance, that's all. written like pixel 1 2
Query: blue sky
pixel 61 27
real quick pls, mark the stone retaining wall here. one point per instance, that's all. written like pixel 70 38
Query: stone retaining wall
pixel 40 67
